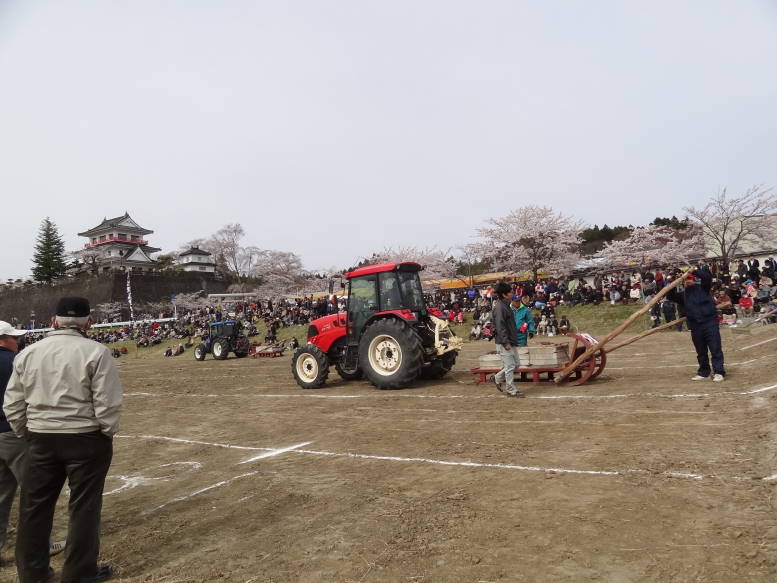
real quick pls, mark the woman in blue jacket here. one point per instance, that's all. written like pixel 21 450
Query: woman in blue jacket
pixel 524 319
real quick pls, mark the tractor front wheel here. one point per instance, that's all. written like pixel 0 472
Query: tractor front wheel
pixel 220 349
pixel 390 354
pixel 310 367
pixel 200 351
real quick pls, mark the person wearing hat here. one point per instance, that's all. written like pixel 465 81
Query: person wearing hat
pixel 506 339
pixel 702 320
pixel 11 447
pixel 65 397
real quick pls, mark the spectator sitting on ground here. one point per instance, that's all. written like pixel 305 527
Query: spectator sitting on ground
pixel 564 325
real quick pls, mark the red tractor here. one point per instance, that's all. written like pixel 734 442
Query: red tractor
pixel 386 334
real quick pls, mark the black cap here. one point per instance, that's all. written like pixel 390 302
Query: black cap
pixel 73 307
pixel 503 288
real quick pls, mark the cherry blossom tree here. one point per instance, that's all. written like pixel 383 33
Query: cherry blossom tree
pixel 189 301
pixel 110 311
pixel 532 238
pixel 437 264
pixel 653 245
pixel 728 223
pixel 282 274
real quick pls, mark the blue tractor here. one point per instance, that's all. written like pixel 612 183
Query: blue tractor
pixel 223 338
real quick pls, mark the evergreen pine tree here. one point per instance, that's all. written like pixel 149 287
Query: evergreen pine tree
pixel 49 259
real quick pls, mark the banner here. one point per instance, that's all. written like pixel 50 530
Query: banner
pixel 129 297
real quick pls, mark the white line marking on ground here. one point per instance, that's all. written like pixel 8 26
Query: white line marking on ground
pixel 761 390
pixel 211 396
pixel 275 452
pixel 744 362
pixel 198 492
pixel 129 482
pixel 489 396
pixel 468 464
pixel 659 395
pixel 758 343
pixel 195 442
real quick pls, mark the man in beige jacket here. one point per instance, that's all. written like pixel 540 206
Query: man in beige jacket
pixel 65 397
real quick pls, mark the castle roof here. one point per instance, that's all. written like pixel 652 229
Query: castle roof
pixel 138 255
pixel 194 251
pixel 124 222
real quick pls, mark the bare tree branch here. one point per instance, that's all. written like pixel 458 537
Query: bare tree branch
pixel 729 223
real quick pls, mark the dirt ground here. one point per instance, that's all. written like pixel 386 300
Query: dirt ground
pixel 227 471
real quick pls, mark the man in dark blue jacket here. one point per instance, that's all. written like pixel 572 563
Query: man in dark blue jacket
pixel 699 307
pixel 11 447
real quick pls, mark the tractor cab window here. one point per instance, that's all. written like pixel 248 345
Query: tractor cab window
pixel 390 296
pixel 362 303
pixel 412 293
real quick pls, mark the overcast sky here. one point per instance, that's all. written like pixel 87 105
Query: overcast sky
pixel 336 128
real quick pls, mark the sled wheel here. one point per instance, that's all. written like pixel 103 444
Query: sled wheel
pixel 601 362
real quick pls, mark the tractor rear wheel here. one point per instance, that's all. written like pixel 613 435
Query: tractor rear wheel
pixel 390 354
pixel 310 366
pixel 220 348
pixel 439 367
pixel 240 346
pixel 200 351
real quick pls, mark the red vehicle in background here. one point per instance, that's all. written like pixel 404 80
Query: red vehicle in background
pixel 386 334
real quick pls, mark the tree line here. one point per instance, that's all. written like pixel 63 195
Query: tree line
pixel 534 239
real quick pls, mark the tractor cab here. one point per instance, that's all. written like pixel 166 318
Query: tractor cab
pixel 227 328
pixel 382 290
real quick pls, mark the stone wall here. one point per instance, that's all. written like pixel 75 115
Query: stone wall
pixel 22 301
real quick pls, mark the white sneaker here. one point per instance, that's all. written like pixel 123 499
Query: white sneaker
pixel 56 547
pixel 699 378
pixel 718 378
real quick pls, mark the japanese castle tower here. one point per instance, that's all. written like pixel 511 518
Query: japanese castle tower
pixel 120 243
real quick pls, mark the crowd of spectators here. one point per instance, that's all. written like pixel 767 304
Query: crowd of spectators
pixel 742 291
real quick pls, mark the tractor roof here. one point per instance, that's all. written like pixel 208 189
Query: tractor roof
pixel 383 267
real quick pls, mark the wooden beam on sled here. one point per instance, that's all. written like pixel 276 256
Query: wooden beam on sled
pixel 564 373
pixel 642 335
